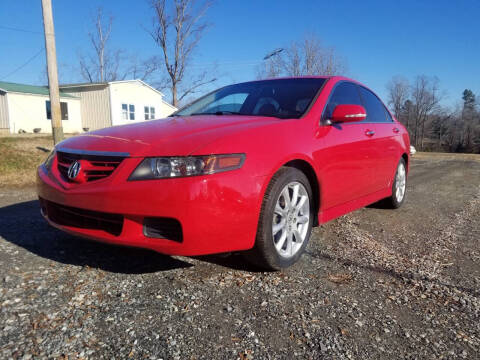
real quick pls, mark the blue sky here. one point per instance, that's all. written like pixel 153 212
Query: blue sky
pixel 378 39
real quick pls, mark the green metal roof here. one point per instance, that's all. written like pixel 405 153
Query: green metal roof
pixel 29 89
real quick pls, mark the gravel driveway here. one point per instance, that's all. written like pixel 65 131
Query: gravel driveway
pixel 375 284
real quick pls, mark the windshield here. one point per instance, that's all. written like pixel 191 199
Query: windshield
pixel 282 98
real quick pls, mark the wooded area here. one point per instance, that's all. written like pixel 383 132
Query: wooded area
pixel 434 127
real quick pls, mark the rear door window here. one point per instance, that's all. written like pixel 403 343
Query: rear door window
pixel 345 93
pixel 387 113
pixel 373 106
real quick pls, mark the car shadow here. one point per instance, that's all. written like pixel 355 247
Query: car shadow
pixel 381 204
pixel 233 261
pixel 21 224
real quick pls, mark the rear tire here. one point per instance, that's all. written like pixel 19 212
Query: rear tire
pixel 285 222
pixel 399 186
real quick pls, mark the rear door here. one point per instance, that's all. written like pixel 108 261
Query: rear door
pixel 385 146
pixel 345 154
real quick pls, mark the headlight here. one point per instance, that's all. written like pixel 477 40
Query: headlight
pixel 49 160
pixel 168 167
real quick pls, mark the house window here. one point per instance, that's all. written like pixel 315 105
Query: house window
pixel 149 112
pixel 128 112
pixel 63 110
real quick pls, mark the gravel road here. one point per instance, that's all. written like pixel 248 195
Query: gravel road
pixel 375 284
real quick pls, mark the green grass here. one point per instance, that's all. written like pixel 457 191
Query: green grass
pixel 20 157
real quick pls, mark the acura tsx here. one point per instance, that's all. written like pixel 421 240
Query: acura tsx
pixel 250 167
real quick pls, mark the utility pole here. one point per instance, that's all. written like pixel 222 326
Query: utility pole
pixel 270 55
pixel 57 130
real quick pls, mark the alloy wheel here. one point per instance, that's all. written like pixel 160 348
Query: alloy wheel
pixel 291 219
pixel 400 182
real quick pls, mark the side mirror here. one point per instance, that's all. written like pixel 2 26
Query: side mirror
pixel 348 113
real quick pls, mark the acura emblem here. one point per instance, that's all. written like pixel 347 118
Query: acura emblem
pixel 74 170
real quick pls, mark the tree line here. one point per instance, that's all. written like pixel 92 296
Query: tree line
pixel 433 127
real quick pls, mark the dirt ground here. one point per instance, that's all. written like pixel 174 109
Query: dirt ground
pixel 375 284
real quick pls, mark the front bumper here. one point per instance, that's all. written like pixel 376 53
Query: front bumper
pixel 218 213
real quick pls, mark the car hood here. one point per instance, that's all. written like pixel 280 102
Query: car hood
pixel 175 136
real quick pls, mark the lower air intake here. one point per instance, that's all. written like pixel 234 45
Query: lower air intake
pixel 163 228
pixel 81 218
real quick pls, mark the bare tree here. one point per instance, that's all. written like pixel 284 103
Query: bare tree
pixel 177 29
pixel 440 126
pixel 292 60
pixel 305 57
pixel 406 114
pixel 272 65
pixel 320 60
pixel 398 92
pixel 104 63
pixel 141 69
pixel 271 68
pixel 426 97
pixel 454 135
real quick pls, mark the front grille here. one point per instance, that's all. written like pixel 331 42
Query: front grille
pixel 81 218
pixel 98 166
pixel 163 228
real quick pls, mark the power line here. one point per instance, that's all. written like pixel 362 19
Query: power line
pixel 24 64
pixel 225 63
pixel 18 29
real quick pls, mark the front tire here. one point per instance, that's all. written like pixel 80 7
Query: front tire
pixel 285 222
pixel 399 186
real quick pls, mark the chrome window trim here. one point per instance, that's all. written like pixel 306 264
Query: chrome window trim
pixel 92 152
pixel 363 123
pixel 323 121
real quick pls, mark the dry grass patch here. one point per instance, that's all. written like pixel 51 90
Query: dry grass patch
pixel 19 158
pixel 446 156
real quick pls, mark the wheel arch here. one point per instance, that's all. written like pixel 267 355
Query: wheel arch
pixel 405 158
pixel 306 168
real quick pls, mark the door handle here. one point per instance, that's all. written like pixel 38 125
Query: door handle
pixel 369 132
pixel 396 130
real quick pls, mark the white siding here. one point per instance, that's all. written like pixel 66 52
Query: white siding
pixel 3 112
pixel 28 112
pixel 135 93
pixel 95 105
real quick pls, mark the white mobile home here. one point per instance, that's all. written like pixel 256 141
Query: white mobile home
pixel 118 102
pixel 27 108
pixel 84 107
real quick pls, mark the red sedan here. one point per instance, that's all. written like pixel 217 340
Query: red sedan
pixel 251 166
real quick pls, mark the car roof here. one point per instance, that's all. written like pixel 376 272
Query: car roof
pixel 327 77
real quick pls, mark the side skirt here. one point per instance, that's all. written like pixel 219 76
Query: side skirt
pixel 339 210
